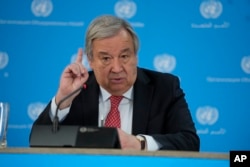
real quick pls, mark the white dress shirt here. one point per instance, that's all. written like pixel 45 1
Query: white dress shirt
pixel 125 109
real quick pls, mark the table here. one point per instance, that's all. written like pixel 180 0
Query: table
pixel 65 157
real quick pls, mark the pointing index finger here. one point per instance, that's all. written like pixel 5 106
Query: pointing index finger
pixel 79 56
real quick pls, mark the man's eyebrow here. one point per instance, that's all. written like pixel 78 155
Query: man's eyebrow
pixel 106 53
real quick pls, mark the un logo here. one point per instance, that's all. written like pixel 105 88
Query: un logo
pixel 35 109
pixel 41 8
pixel 125 9
pixel 245 64
pixel 164 63
pixel 4 59
pixel 211 9
pixel 207 115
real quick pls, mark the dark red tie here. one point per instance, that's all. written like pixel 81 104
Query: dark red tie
pixel 113 119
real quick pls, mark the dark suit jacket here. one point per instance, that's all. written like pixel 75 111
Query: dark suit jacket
pixel 160 110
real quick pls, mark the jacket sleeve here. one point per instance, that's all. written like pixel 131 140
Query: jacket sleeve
pixel 44 117
pixel 178 132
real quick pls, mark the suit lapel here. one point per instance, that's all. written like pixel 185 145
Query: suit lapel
pixel 143 93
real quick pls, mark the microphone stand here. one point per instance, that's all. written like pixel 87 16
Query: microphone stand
pixel 73 135
pixel 55 126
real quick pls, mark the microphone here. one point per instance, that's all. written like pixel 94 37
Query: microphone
pixel 55 126
pixel 73 135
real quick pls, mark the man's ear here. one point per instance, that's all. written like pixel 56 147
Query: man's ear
pixel 90 61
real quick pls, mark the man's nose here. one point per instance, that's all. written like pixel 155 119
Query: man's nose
pixel 116 65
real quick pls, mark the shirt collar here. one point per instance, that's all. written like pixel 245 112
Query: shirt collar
pixel 105 95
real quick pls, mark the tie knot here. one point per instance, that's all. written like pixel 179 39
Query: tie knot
pixel 115 100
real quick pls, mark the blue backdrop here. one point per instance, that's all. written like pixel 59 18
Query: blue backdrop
pixel 204 42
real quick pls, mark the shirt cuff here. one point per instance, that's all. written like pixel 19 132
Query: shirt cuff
pixel 61 113
pixel 151 143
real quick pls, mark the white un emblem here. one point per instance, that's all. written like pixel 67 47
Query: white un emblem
pixel 164 63
pixel 41 8
pixel 4 59
pixel 35 109
pixel 207 115
pixel 211 9
pixel 245 64
pixel 125 9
